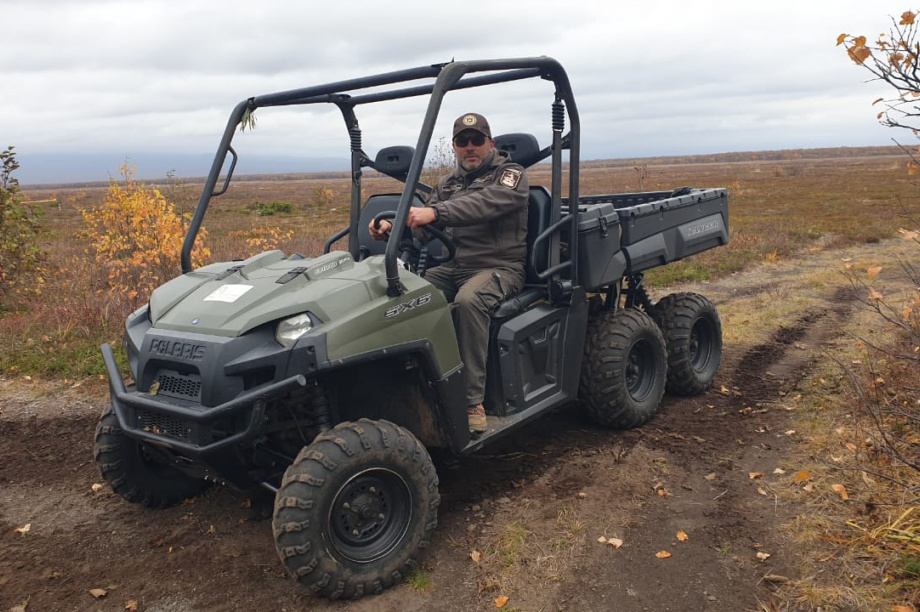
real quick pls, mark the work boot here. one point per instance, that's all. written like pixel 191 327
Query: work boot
pixel 477 418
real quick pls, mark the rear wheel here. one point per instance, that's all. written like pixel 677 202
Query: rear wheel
pixel 693 334
pixel 137 471
pixel 624 369
pixel 355 509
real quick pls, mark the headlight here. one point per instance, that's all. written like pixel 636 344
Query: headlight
pixel 289 330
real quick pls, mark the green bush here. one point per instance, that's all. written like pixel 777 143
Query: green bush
pixel 20 255
pixel 266 209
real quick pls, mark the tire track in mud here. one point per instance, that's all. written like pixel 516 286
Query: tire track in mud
pixel 707 447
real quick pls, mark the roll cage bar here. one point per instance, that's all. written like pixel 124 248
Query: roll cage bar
pixel 454 75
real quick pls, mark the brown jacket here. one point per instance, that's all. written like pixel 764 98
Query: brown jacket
pixel 484 212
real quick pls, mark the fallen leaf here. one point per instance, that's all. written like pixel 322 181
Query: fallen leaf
pixel 760 491
pixel 779 471
pixel 868 480
pixel 663 493
pixel 753 475
pixel 763 556
pixel 710 476
pixel 602 540
pixel 24 529
pixel 98 593
pixel 873 271
pixel 476 556
pixel 97 487
pixel 682 536
pixel 615 542
pixel 776 578
pixel 801 476
pixel 874 295
pixel 841 491
pixel 809 487
pixel 901 609
pixel 790 432
pixel 662 554
pixel 500 601
pixel 131 605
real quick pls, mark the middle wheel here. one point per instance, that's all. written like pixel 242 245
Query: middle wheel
pixel 625 368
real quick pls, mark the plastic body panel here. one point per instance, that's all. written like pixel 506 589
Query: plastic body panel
pixel 535 358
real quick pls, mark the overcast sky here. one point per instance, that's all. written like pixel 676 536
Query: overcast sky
pixel 112 79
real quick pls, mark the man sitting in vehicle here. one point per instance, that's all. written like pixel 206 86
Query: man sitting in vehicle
pixel 482 207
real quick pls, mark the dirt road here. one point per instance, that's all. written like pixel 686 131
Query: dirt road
pixel 531 511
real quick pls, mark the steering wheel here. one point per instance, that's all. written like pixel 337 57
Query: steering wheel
pixel 416 253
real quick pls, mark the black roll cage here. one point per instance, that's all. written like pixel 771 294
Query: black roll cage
pixel 448 76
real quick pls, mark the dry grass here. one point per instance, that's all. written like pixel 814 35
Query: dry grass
pixel 861 523
pixel 779 208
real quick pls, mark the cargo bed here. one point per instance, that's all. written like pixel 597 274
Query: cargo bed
pixel 626 233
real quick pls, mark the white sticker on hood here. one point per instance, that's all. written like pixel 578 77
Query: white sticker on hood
pixel 227 293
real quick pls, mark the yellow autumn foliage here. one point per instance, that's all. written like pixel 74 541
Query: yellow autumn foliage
pixel 136 236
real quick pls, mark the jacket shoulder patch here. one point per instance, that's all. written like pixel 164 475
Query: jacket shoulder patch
pixel 510 178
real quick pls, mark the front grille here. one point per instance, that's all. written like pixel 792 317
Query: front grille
pixel 163 424
pixel 182 386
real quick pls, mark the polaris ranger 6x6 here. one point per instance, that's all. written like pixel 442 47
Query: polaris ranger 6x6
pixel 325 378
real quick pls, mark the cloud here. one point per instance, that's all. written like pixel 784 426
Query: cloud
pixel 99 76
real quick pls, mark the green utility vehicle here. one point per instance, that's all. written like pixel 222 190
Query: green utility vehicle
pixel 324 379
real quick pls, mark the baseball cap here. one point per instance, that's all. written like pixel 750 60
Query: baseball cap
pixel 472 121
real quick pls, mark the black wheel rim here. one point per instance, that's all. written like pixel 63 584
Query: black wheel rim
pixel 700 349
pixel 640 370
pixel 370 515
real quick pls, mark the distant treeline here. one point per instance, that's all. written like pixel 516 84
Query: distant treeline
pixel 710 158
pixel 748 156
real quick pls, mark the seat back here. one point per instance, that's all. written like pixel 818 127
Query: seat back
pixel 539 208
pixel 523 148
pixel 375 205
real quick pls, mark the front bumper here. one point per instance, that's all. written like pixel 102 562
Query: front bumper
pixel 191 429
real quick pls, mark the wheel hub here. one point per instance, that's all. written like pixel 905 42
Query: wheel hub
pixel 370 515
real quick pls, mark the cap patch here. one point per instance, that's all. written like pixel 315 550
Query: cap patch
pixel 510 178
pixel 469 120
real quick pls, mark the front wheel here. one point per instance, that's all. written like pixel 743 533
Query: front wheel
pixel 355 508
pixel 693 334
pixel 624 368
pixel 137 471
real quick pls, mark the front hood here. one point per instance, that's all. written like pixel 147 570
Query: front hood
pixel 230 299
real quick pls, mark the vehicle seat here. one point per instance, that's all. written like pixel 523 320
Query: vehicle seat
pixel 525 150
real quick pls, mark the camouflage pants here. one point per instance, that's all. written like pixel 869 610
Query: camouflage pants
pixel 474 295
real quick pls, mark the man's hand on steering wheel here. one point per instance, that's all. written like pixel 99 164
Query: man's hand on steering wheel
pixel 378 230
pixel 420 216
